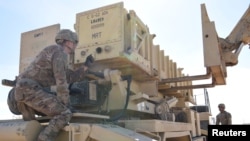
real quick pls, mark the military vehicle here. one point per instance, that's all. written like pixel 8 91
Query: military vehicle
pixel 133 91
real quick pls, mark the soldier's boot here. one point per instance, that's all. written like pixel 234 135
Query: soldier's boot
pixel 55 125
pixel 47 134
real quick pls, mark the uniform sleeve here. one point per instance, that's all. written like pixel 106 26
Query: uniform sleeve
pixel 217 120
pixel 229 119
pixel 75 75
pixel 59 63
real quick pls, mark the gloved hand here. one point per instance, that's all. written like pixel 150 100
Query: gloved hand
pixel 64 99
pixel 89 60
pixel 67 104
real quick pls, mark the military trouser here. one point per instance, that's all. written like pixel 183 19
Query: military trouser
pixel 31 96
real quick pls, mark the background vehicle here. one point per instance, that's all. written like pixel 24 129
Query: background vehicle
pixel 134 90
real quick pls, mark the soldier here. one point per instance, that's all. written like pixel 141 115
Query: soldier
pixel 224 117
pixel 49 68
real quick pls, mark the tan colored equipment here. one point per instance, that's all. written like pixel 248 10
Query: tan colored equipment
pixel 19 130
pixel 133 91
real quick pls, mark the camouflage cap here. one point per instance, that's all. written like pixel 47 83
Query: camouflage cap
pixel 66 34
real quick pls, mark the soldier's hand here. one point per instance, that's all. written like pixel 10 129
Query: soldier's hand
pixel 85 68
pixel 64 100
pixel 89 60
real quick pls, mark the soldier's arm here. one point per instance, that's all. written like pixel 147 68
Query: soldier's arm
pixel 217 120
pixel 59 62
pixel 79 74
pixel 229 119
pixel 76 75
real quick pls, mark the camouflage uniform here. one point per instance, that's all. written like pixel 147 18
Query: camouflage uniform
pixel 49 68
pixel 224 118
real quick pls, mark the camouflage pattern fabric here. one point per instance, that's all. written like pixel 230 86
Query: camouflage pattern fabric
pixel 224 118
pixel 49 68
pixel 34 96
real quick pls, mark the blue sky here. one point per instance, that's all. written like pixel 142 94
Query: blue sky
pixel 177 25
